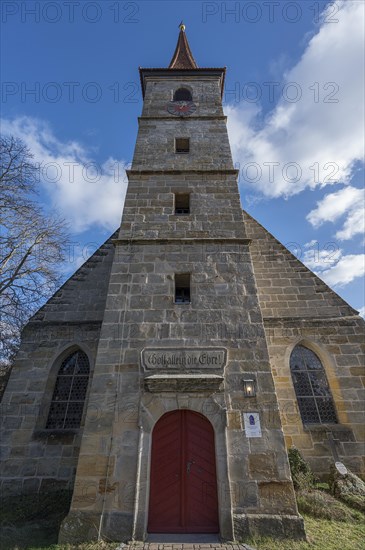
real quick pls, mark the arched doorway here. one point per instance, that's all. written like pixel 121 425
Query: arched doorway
pixel 183 486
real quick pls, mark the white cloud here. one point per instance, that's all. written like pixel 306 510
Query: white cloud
pixel 345 271
pixel 354 224
pixel 349 201
pixel 322 133
pixel 335 205
pixel 321 260
pixel 333 266
pixel 311 243
pixel 85 193
pixel 362 311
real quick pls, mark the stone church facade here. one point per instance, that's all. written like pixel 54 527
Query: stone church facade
pixel 166 379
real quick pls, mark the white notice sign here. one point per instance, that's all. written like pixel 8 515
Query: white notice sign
pixel 252 424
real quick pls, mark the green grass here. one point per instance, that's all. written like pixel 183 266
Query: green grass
pixel 322 535
pixel 321 505
pixel 27 521
pixel 87 546
pixel 329 524
pixel 33 524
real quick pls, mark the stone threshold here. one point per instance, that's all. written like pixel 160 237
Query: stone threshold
pixel 195 538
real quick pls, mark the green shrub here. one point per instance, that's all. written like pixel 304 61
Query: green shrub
pixel 301 472
pixel 322 486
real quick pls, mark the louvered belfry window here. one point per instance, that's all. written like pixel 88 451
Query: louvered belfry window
pixel 183 94
pixel 69 393
pixel 311 387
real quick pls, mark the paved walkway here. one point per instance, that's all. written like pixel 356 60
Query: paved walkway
pixel 184 546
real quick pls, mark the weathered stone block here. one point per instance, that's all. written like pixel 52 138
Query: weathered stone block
pixel 277 526
pixel 263 466
pixel 277 497
pixel 95 465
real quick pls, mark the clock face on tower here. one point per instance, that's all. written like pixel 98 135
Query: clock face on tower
pixel 181 108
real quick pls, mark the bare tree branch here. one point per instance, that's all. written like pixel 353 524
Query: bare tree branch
pixel 32 244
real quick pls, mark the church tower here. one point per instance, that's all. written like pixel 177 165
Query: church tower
pixel 182 433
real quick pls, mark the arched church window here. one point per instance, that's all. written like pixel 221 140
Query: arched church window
pixel 69 393
pixel 183 94
pixel 311 387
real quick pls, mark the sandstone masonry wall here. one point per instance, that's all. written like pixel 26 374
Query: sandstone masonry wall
pixel 35 459
pixel 299 308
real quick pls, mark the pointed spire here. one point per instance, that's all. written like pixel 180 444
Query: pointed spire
pixel 182 58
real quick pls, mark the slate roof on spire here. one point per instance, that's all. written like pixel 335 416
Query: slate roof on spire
pixel 182 58
pixel 182 64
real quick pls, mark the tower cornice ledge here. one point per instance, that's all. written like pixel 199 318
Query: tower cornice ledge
pixel 134 172
pixel 54 322
pixel 145 73
pixel 184 240
pixel 168 117
pixel 311 321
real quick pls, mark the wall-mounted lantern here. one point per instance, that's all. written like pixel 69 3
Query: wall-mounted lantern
pixel 249 388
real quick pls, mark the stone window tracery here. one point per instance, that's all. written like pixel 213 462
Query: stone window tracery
pixel 69 393
pixel 313 394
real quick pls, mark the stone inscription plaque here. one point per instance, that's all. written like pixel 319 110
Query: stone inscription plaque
pixel 184 359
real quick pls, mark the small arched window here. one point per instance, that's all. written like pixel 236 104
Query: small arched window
pixel 311 387
pixel 69 393
pixel 183 94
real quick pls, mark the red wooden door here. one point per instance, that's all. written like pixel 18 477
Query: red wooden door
pixel 183 487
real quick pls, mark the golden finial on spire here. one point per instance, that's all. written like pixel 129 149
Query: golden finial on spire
pixel 182 58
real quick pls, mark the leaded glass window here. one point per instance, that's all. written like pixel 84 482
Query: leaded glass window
pixel 69 393
pixel 311 387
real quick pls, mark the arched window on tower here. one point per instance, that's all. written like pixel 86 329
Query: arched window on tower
pixel 311 387
pixel 69 393
pixel 183 94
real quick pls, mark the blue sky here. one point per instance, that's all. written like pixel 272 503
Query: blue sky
pixel 294 100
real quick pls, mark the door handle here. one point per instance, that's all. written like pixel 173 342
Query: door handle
pixel 188 466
